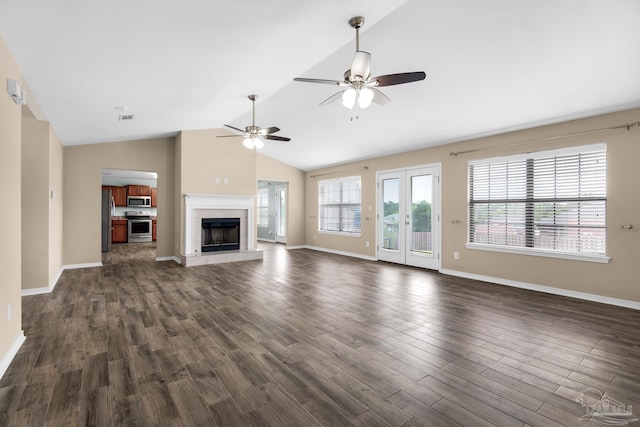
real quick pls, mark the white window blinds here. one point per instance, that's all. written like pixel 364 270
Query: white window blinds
pixel 553 200
pixel 263 207
pixel 339 205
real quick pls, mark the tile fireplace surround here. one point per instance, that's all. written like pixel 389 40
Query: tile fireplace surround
pixel 198 206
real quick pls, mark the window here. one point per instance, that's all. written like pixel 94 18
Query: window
pixel 552 201
pixel 263 208
pixel 339 205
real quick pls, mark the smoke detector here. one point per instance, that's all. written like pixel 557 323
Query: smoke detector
pixel 123 109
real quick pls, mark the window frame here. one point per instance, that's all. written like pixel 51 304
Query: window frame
pixel 340 205
pixel 530 225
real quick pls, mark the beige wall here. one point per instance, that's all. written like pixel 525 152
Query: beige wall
pixel 205 161
pixel 35 202
pixel 10 214
pixel 617 279
pixel 82 197
pixel 41 215
pixel 56 168
pixel 268 169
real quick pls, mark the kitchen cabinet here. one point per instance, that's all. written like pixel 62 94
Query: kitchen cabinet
pixel 119 232
pixel 154 197
pixel 119 194
pixel 153 230
pixel 139 190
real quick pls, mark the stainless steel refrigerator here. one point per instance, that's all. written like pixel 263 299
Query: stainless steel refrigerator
pixel 108 207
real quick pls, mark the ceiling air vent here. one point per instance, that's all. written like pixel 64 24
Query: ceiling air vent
pixel 125 117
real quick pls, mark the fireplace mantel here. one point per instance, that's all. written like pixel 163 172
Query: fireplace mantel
pixel 195 202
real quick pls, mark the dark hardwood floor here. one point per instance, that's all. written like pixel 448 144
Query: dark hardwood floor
pixel 307 338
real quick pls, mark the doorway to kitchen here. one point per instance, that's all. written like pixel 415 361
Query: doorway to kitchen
pixel 272 211
pixel 129 215
pixel 408 216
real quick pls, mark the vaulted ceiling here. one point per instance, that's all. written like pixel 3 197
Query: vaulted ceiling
pixel 491 65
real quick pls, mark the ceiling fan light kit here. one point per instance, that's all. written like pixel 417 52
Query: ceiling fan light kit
pixel 359 84
pixel 254 135
pixel 363 95
pixel 252 143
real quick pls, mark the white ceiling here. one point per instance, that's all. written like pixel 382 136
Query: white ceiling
pixel 492 66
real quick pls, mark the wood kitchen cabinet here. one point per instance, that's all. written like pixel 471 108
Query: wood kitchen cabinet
pixel 139 190
pixel 119 232
pixel 153 230
pixel 154 197
pixel 119 194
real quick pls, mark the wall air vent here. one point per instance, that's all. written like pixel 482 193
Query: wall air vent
pixel 125 117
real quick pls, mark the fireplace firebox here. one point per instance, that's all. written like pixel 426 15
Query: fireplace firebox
pixel 220 234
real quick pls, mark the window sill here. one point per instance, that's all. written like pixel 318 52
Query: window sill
pixel 339 233
pixel 539 252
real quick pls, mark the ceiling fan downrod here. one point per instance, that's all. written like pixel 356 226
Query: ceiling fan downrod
pixel 253 112
pixel 357 22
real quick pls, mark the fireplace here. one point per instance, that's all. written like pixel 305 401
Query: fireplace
pixel 215 207
pixel 220 234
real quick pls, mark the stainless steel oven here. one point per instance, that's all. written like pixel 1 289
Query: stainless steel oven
pixel 140 226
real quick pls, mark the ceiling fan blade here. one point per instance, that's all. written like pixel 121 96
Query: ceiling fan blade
pixel 268 131
pixel 230 136
pixel 323 81
pixel 276 138
pixel 241 131
pixel 332 98
pixel 400 78
pixel 379 97
pixel 361 65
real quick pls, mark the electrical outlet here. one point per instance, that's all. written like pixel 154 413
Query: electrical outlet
pixel 226 180
pixel 456 255
pixel 314 237
pixel 217 180
pixel 366 244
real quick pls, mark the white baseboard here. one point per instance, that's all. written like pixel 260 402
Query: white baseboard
pixel 168 258
pixel 87 265
pixel 35 291
pixel 13 350
pixel 336 252
pixel 261 239
pixel 43 290
pixel 291 248
pixel 49 289
pixel 546 289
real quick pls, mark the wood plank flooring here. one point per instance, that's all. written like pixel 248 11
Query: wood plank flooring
pixel 307 338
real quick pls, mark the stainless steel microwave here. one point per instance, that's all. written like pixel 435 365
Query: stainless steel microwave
pixel 139 201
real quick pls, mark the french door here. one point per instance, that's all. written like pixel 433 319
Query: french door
pixel 408 216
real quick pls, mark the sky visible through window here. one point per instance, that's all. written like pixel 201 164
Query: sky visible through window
pixel 421 190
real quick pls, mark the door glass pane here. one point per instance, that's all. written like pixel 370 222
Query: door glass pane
pixel 391 215
pixel 282 209
pixel 421 200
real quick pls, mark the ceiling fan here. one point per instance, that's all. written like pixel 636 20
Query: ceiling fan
pixel 253 135
pixel 359 84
